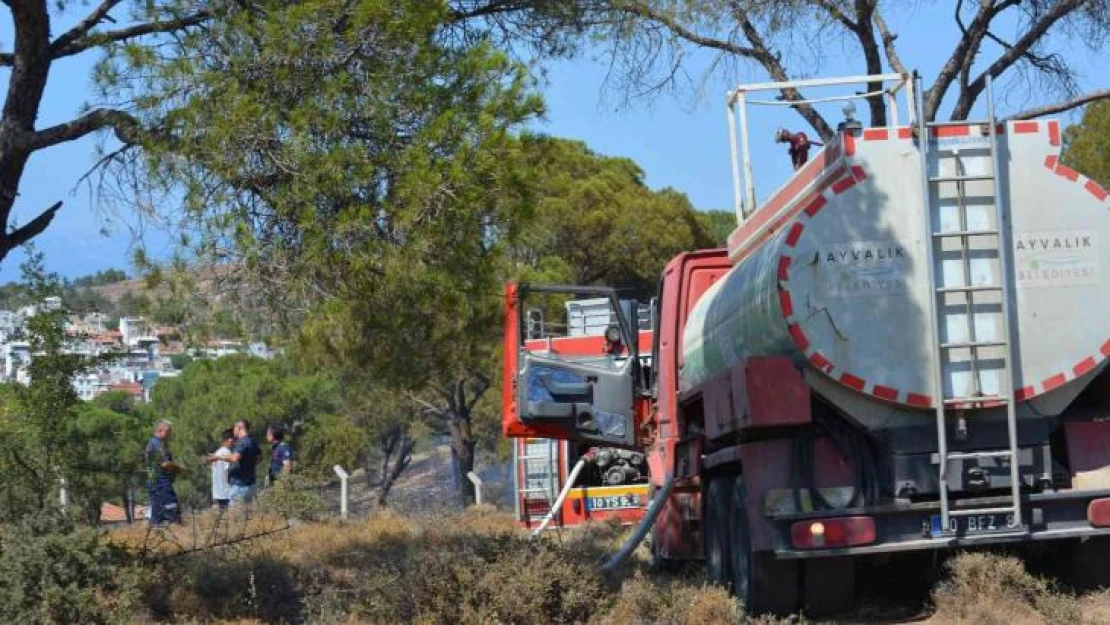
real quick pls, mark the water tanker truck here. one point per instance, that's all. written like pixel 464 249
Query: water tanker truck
pixel 902 349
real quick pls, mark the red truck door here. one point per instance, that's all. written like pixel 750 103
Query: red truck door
pixel 575 388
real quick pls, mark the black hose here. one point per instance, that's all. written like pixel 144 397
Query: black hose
pixel 852 444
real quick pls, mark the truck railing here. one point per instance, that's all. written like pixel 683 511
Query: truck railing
pixel 743 184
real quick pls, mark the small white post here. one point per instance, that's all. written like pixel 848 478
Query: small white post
pixel 343 475
pixel 63 495
pixel 477 482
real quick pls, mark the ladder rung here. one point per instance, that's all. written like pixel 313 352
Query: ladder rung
pixel 535 490
pixel 962 178
pixel 975 400
pixel 976 455
pixel 966 233
pixel 533 457
pixel 972 344
pixel 969 289
pixel 975 511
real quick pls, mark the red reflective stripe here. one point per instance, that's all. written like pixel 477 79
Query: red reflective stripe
pixel 1094 189
pixel 1050 162
pixel 785 303
pixel 905 133
pixel 858 173
pixel 952 131
pixel 1106 348
pixel 1023 393
pixel 849 143
pixel 817 204
pixel 875 134
pixel 1067 172
pixel 820 361
pixel 1054 133
pixel 784 265
pixel 794 234
pixel 1024 128
pixel 799 337
pixel 850 380
pixel 1054 382
pixel 1084 366
pixel 842 185
pixel 916 399
pixel 885 392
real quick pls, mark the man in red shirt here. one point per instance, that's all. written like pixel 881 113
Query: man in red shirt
pixel 799 146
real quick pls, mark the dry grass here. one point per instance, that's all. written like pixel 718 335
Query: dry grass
pixel 479 567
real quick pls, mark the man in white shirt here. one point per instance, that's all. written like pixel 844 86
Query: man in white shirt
pixel 221 490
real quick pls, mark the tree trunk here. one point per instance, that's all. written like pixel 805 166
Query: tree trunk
pixel 462 455
pixel 404 456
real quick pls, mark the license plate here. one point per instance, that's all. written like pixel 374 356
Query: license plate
pixel 974 524
pixel 613 502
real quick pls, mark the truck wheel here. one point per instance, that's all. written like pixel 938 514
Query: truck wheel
pixel 1088 564
pixel 761 582
pixel 715 509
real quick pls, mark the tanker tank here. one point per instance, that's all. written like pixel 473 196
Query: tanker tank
pixel 833 271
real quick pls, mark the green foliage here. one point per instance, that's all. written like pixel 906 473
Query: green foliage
pixel 54 571
pixel 718 225
pixel 293 497
pixel 1087 144
pixel 211 395
pixel 597 222
pixel 52 437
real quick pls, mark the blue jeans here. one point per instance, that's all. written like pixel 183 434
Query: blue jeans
pixel 241 494
pixel 163 504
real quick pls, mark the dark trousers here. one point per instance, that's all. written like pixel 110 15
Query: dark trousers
pixel 163 504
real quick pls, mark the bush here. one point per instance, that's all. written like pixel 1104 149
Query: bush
pixel 992 589
pixel 52 570
pixel 293 497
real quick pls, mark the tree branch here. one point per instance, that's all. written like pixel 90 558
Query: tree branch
pixel 645 12
pixel 892 57
pixel 83 27
pixel 956 62
pixel 1018 50
pixel 126 127
pixel 1066 105
pixel 97 39
pixel 23 234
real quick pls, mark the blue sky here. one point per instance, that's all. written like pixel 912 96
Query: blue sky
pixel 679 141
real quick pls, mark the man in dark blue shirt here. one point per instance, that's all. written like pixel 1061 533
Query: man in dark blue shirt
pixel 281 455
pixel 160 473
pixel 243 458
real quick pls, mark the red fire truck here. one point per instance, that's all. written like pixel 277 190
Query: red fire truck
pixel 612 482
pixel 903 348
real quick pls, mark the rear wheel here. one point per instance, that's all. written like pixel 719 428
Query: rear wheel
pixel 715 509
pixel 763 583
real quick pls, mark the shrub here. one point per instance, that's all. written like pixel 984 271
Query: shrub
pixel 989 589
pixel 52 570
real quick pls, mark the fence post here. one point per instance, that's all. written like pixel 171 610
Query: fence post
pixel 343 475
pixel 477 481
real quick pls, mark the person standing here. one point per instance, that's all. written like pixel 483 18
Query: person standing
pixel 243 459
pixel 221 489
pixel 281 455
pixel 161 471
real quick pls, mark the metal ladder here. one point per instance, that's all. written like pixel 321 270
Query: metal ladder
pixel 539 474
pixel 942 399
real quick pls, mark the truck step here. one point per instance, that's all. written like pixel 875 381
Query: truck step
pixel 969 289
pixel 975 455
pixel 973 178
pixel 966 233
pixel 955 401
pixel 972 344
pixel 977 511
